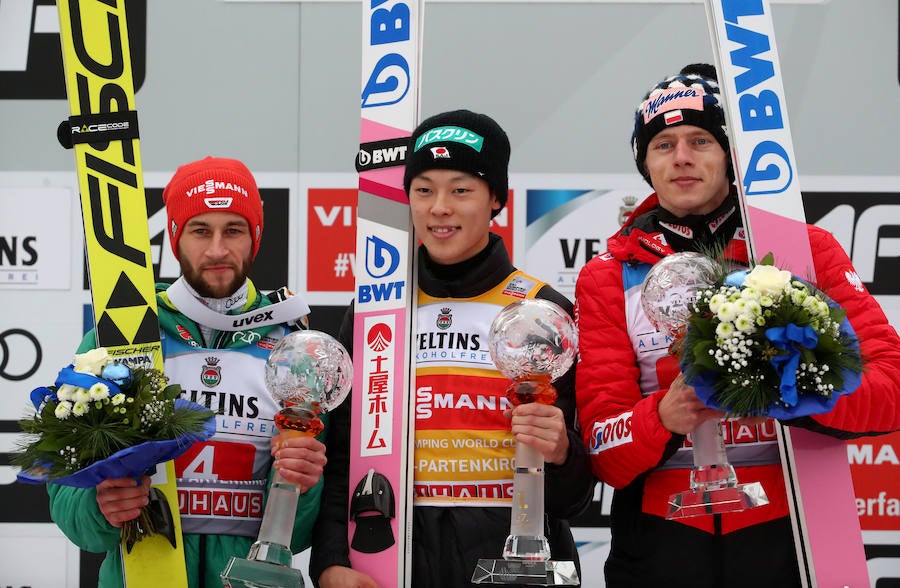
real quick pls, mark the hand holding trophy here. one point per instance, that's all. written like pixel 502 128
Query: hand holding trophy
pixel 310 373
pixel 668 292
pixel 532 342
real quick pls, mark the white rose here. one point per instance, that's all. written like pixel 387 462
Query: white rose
pixel 768 279
pixel 93 361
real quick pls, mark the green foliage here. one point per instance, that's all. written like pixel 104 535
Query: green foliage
pixel 63 441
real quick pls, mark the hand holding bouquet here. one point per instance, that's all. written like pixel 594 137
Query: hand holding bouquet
pixel 102 420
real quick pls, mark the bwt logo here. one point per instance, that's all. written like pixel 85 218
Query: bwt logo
pixel 769 170
pixel 390 78
pixel 31 65
pixel 382 260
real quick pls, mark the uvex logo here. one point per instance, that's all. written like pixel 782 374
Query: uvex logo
pixel 250 320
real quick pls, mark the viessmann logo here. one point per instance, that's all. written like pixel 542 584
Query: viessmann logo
pixel 31 66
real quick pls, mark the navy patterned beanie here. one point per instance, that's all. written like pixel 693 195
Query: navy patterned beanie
pixel 689 98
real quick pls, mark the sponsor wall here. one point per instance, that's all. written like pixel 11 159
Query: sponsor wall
pixel 553 224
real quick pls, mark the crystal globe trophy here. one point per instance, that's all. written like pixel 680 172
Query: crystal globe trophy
pixel 309 373
pixel 532 342
pixel 667 295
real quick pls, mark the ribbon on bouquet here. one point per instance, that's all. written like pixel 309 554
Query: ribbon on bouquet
pixel 791 339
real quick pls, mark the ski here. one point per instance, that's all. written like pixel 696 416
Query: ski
pixel 382 430
pixel 102 131
pixel 816 468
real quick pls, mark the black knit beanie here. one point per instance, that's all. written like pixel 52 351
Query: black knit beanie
pixel 689 98
pixel 465 141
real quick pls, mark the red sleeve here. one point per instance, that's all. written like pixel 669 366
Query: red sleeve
pixel 621 428
pixel 875 406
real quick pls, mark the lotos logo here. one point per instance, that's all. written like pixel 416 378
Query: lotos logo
pixel 611 433
pixel 679 229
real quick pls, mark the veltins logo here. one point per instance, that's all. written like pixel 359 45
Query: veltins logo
pixel 31 66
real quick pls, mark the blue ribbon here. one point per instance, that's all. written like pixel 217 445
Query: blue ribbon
pixel 790 338
pixel 68 375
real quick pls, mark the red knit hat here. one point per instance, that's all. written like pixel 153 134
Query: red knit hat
pixel 212 184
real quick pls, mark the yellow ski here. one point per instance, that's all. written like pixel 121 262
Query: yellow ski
pixel 103 132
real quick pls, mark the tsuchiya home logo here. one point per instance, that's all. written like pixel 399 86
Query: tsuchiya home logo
pixel 31 66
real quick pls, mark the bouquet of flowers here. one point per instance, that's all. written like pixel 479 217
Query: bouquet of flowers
pixel 103 419
pixel 763 342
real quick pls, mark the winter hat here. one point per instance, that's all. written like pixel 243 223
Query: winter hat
pixel 689 98
pixel 213 184
pixel 465 141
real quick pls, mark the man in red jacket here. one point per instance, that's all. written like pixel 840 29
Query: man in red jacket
pixel 628 383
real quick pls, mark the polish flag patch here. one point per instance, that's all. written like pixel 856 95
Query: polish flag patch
pixel 673 117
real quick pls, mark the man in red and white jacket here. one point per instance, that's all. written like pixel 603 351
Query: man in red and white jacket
pixel 635 408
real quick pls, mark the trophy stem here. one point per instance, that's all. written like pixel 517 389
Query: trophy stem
pixel 268 564
pixel 714 484
pixel 526 534
pixel 526 554
pixel 273 543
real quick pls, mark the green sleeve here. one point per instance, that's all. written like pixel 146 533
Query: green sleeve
pixel 76 513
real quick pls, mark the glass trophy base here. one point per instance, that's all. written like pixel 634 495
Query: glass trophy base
pixel 699 502
pixel 537 573
pixel 248 573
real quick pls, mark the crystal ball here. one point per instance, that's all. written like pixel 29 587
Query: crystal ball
pixel 533 337
pixel 671 287
pixel 309 367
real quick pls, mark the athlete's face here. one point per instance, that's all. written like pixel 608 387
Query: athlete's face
pixel 215 253
pixel 688 169
pixel 451 212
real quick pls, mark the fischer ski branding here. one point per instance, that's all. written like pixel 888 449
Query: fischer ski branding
pixel 381 432
pixel 102 131
pixel 817 472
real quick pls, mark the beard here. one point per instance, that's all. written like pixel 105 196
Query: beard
pixel 203 287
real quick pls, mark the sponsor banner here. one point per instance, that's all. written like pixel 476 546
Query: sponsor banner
pixel 875 468
pixel 567 227
pixel 35 238
pixel 331 239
